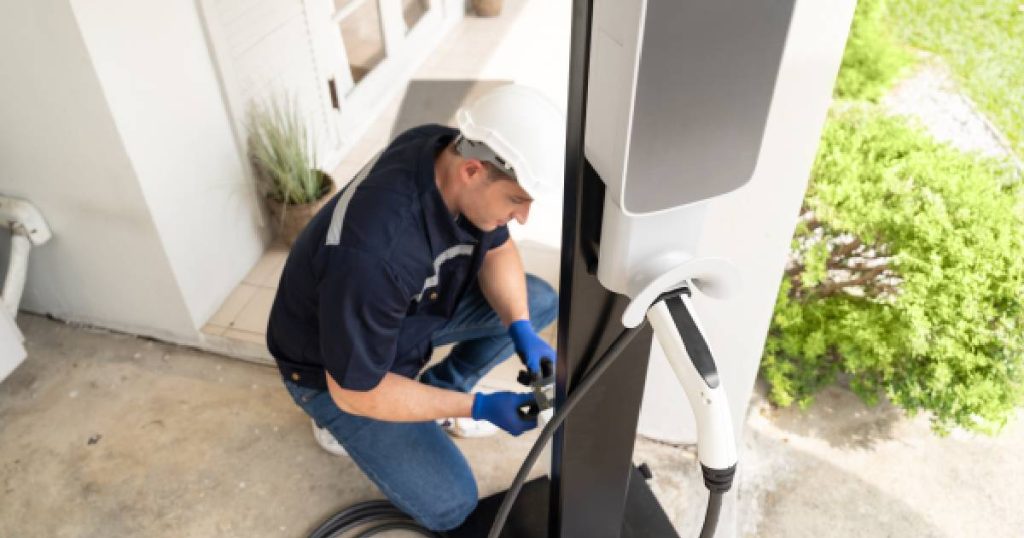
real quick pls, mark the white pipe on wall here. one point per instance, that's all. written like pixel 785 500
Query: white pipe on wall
pixel 17 267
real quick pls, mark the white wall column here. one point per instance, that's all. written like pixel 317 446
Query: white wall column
pixel 113 125
pixel 156 70
pixel 62 151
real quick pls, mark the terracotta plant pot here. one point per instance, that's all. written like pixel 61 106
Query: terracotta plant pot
pixel 487 8
pixel 290 219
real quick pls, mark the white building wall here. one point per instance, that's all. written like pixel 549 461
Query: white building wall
pixel 156 72
pixel 60 148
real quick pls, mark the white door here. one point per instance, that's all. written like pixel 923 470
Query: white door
pixel 369 48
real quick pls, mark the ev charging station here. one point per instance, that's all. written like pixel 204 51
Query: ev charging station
pixel 671 106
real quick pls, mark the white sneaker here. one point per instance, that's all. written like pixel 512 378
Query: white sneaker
pixel 326 440
pixel 467 427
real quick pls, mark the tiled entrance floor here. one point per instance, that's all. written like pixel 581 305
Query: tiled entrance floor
pixel 244 314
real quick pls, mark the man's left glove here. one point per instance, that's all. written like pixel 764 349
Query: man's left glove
pixel 529 346
pixel 505 410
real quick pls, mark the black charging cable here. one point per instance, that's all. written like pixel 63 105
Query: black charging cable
pixel 377 516
pixel 717 490
pixel 606 360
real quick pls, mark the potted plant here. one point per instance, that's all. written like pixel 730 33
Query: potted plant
pixel 284 158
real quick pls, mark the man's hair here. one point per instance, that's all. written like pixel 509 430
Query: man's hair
pixel 493 172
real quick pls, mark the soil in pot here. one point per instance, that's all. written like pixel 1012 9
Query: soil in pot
pixel 487 8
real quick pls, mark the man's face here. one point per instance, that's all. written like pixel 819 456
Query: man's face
pixel 489 203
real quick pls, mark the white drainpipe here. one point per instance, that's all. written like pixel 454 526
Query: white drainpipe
pixel 14 283
pixel 27 229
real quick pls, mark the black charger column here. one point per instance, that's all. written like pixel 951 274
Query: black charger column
pixel 595 490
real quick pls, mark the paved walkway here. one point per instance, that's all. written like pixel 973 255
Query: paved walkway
pixel 106 435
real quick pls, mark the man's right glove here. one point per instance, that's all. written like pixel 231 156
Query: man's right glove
pixel 531 348
pixel 503 410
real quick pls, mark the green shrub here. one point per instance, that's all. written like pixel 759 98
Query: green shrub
pixel 283 153
pixel 873 58
pixel 907 274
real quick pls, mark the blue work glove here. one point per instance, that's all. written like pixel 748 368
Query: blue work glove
pixel 530 347
pixel 502 410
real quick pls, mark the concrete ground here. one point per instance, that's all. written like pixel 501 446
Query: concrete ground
pixel 844 469
pixel 107 435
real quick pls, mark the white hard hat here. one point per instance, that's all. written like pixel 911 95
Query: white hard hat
pixel 525 130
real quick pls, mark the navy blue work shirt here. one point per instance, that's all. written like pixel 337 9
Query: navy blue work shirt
pixel 376 272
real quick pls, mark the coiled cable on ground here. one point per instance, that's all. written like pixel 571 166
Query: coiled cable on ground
pixel 379 516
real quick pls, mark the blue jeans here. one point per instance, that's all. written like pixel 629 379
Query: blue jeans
pixel 415 464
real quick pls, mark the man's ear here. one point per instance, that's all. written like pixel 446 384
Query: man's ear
pixel 473 171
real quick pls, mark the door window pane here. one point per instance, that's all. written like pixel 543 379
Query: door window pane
pixel 362 34
pixel 413 11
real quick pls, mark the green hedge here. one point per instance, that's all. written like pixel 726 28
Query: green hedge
pixel 873 58
pixel 907 273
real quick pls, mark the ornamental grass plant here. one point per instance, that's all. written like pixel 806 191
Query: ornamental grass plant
pixel 283 153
